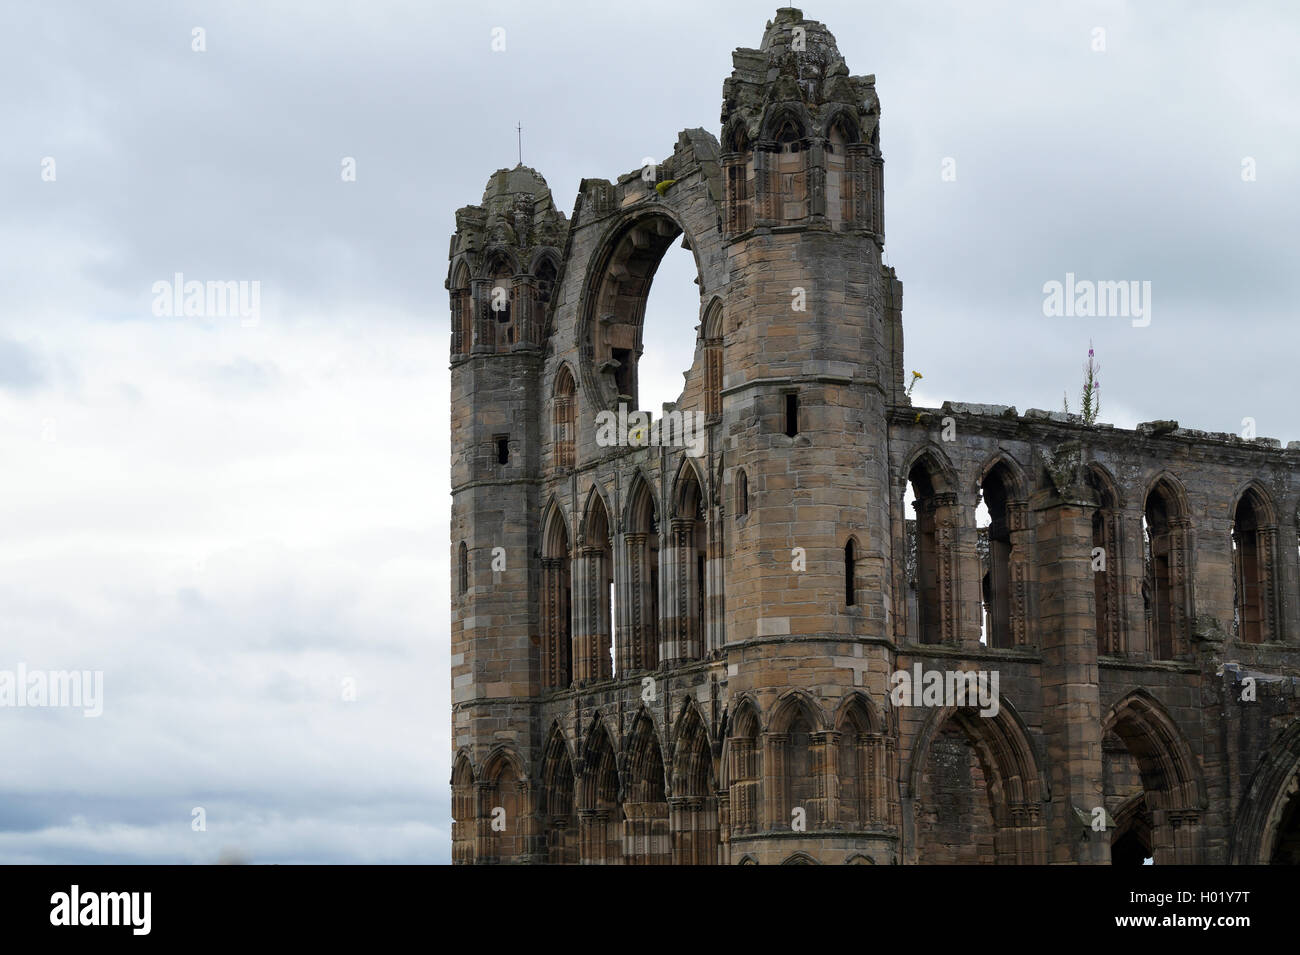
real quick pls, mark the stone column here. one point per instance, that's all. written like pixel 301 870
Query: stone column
pixel 1071 701
pixel 1180 582
pixel 1018 567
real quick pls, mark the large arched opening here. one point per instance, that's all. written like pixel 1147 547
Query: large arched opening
pixel 643 306
pixel 1144 756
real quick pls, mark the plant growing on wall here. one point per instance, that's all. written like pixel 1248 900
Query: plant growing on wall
pixel 1091 401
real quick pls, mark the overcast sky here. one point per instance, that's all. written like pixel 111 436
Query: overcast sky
pixel 232 518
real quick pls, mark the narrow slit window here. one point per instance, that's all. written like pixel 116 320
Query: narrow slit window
pixel 791 414
pixel 850 560
pixel 503 450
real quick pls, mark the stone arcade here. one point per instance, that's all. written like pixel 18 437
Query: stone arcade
pixel 652 678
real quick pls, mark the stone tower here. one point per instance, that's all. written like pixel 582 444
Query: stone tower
pixel 677 633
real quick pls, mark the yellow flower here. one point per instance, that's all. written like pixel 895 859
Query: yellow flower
pixel 917 374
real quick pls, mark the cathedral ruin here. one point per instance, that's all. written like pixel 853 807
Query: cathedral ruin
pixel 687 651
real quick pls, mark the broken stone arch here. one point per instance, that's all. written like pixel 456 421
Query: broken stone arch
pixel 615 292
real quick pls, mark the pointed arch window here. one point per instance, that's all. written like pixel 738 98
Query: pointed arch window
pixel 1165 589
pixel 565 407
pixel 1253 559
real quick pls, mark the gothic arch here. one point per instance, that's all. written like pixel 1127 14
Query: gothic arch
pixel 743 762
pixel 800 858
pixel 1011 743
pixel 544 256
pixel 557 806
pixel 1172 781
pixel 464 809
pixel 1130 835
pixel 687 595
pixel 745 718
pixel 1012 471
pixel 499 759
pixel 645 806
pixel 1257 603
pixel 1263 500
pixel 863 765
pixel 935 464
pixel 711 338
pixel 794 757
pixel 694 772
pixel 564 409
pixel 503 792
pixel 642 508
pixel 595 517
pixel 493 258
pixel 788 707
pixel 846 118
pixel 600 798
pixel 927 577
pixel 1102 479
pixel 1169 484
pixel 1004 579
pixel 735 136
pixel 593 579
pixel 1168 567
pixel 1269 798
pixel 1108 580
pixel 1013 781
pixel 557 598
pixel 712 326
pixel 781 114
pixel 639 608
pixel 555 529
pixel 683 505
pixel 856 699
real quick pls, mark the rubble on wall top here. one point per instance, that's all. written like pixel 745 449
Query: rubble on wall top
pixel 1158 428
pixel 964 407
